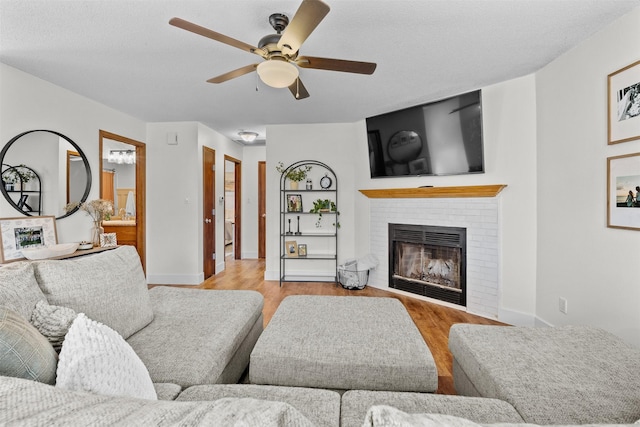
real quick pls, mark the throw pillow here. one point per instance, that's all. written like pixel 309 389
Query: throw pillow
pixel 53 322
pixel 24 352
pixel 109 287
pixel 95 358
pixel 19 290
pixel 387 416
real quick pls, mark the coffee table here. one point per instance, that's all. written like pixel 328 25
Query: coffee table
pixel 343 343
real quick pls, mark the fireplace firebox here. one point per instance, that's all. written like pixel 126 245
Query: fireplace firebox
pixel 429 261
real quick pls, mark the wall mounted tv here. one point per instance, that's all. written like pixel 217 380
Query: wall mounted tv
pixel 439 138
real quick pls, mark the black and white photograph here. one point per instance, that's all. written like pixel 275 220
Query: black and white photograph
pixel 624 104
pixel 291 248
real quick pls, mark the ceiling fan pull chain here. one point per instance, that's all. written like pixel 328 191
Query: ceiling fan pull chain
pixel 256 82
pixel 297 87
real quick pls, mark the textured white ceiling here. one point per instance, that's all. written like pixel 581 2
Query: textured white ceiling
pixel 125 54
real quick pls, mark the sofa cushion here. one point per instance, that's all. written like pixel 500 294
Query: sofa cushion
pixel 560 375
pixel 52 321
pixel 96 359
pixel 24 352
pixel 19 289
pixel 356 403
pixel 195 333
pixel 109 287
pixel 321 407
pixel 29 403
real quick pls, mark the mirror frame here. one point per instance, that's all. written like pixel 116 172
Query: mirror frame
pixel 80 152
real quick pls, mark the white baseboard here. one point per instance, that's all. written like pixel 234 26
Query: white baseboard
pixel 249 255
pixel 271 275
pixel 175 279
pixel 516 318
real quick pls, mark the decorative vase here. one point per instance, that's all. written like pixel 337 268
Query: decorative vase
pixel 293 185
pixel 96 231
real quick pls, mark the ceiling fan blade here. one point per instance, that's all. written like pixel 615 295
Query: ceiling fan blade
pixel 307 17
pixel 298 90
pixel 197 29
pixel 336 65
pixel 233 74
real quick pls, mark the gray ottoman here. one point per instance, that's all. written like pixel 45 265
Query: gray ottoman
pixel 343 343
pixel 564 375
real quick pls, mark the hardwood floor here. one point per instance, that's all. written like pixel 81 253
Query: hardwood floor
pixel 432 320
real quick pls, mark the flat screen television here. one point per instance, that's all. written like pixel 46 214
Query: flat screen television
pixel 438 138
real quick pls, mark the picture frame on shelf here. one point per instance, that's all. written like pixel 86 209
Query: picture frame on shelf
pixel 623 112
pixel 26 232
pixel 623 190
pixel 294 202
pixel 108 240
pixel 302 250
pixel 291 248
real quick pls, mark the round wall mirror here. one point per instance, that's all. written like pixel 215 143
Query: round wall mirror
pixel 42 172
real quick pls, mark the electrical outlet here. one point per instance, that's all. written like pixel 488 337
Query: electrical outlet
pixel 563 305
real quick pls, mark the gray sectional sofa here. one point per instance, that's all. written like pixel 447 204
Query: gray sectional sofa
pixel 196 344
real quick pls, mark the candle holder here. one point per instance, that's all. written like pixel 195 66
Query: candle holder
pixel 289 232
pixel 298 232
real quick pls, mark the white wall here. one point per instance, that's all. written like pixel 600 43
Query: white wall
pixel 510 158
pixel 332 144
pixel 579 258
pixel 30 103
pixel 250 158
pixel 174 201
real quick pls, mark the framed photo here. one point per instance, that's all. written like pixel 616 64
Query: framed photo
pixel 623 88
pixel 623 191
pixel 108 239
pixel 291 248
pixel 302 249
pixel 26 232
pixel 294 202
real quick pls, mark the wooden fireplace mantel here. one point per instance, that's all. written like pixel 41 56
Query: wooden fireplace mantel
pixel 430 192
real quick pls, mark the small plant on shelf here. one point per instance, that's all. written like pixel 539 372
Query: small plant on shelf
pixel 326 205
pixel 296 174
pixel 17 174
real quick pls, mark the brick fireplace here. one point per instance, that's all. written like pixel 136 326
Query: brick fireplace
pixel 469 208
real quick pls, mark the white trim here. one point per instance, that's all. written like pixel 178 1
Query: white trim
pixel 516 318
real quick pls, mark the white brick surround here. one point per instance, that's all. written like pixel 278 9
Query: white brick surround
pixel 479 215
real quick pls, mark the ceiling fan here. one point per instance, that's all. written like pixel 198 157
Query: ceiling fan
pixel 280 50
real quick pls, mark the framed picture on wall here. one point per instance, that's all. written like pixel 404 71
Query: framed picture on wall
pixel 623 191
pixel 623 88
pixel 26 232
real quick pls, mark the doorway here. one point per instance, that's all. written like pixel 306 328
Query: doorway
pixel 208 211
pixel 232 206
pixel 123 181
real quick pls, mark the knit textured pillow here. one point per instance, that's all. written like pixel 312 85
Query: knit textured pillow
pixel 24 352
pixel 95 358
pixel 19 289
pixel 52 321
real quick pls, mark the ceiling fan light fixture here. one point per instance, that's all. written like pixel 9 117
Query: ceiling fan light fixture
pixel 277 73
pixel 247 136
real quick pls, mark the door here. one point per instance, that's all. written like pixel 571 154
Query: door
pixel 262 208
pixel 235 203
pixel 208 214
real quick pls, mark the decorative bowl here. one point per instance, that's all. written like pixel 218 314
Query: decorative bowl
pixel 50 251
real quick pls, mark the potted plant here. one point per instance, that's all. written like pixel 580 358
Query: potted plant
pixel 294 175
pixel 326 205
pixel 19 175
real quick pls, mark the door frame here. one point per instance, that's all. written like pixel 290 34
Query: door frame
pixel 208 216
pixel 237 205
pixel 141 187
pixel 262 208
